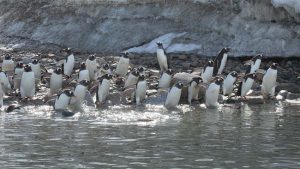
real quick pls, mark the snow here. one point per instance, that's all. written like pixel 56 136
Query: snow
pixel 294 4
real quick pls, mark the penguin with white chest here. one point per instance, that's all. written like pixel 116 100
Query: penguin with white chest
pixel 246 84
pixel 141 89
pixel 91 66
pixel 18 75
pixel 69 63
pixel 123 65
pixel 208 71
pixel 36 68
pixel 80 91
pixel 269 81
pixel 193 89
pixel 220 61
pixel 56 81
pixel 27 88
pixel 83 73
pixel 174 95
pixel 103 88
pixel 255 63
pixel 8 64
pixel 4 80
pixel 1 95
pixel 212 94
pixel 165 79
pixel 162 57
pixel 132 78
pixel 228 84
pixel 63 100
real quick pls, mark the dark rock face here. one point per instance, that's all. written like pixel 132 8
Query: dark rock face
pixel 191 26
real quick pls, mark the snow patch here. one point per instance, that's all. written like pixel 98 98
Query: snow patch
pixel 294 4
pixel 179 47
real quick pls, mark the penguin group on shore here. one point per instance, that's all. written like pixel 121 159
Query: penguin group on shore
pixel 94 79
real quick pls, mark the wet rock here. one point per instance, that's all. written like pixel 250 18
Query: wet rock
pixel 151 92
pixel 67 113
pixel 292 96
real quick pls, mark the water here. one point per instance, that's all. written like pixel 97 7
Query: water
pixel 252 136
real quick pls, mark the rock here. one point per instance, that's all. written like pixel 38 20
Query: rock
pixel 292 96
pixel 186 65
pixel 182 57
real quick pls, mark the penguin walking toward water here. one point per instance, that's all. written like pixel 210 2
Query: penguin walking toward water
pixel 255 63
pixel 83 73
pixel 69 63
pixel 220 61
pixel 246 84
pixel 36 69
pixel 27 88
pixel 141 89
pixel 165 79
pixel 103 88
pixel 123 65
pixel 212 94
pixel 8 64
pixel 56 81
pixel 80 91
pixel 193 89
pixel 208 71
pixel 162 57
pixel 4 80
pixel 91 66
pixel 228 84
pixel 132 78
pixel 18 75
pixel 174 95
pixel 63 100
pixel 269 81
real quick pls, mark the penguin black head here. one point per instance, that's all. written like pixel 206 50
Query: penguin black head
pixel 58 71
pixel 225 50
pixel 251 76
pixel 106 76
pixel 234 74
pixel 135 72
pixel 219 81
pixel 274 66
pixel 19 65
pixel 169 71
pixel 35 61
pixel 27 68
pixel 105 66
pixel 141 77
pixel 159 44
pixel 210 63
pixel 69 51
pixel 84 82
pixel 141 69
pixel 259 56
pixel 69 93
pixel 198 80
pixel 125 54
pixel 92 57
pixel 179 85
pixel 7 57
pixel 82 66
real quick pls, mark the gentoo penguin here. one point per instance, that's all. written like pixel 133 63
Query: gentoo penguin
pixel 228 84
pixel 246 84
pixel 8 64
pixel 255 63
pixel 220 61
pixel 103 88
pixel 18 75
pixel 63 100
pixel 141 89
pixel 165 79
pixel 212 94
pixel 269 81
pixel 80 90
pixel 141 70
pixel 91 66
pixel 132 78
pixel 6 86
pixel 162 57
pixel 56 81
pixel 83 73
pixel 193 89
pixel 208 71
pixel 174 95
pixel 105 69
pixel 69 63
pixel 27 88
pixel 123 64
pixel 36 68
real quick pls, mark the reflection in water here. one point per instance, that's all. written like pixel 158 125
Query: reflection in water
pixel 233 136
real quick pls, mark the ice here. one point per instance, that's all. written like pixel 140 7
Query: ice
pixel 294 4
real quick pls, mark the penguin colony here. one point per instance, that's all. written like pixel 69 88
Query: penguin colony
pixel 23 80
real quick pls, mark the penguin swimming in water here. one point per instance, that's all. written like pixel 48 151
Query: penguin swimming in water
pixel 36 69
pixel 8 64
pixel 269 81
pixel 255 63
pixel 174 95
pixel 83 73
pixel 220 61
pixel 162 57
pixel 212 94
pixel 91 66
pixel 246 84
pixel 228 84
pixel 63 100
pixel 193 89
pixel 18 75
pixel 132 78
pixel 208 71
pixel 4 80
pixel 165 79
pixel 103 88
pixel 141 89
pixel 123 65
pixel 69 63
pixel 56 81
pixel 27 88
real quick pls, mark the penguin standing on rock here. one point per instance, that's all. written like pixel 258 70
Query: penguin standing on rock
pixel 255 63
pixel 220 61
pixel 174 95
pixel 36 68
pixel 83 73
pixel 27 88
pixel 105 69
pixel 132 78
pixel 246 84
pixel 208 71
pixel 6 86
pixel 162 57
pixel 18 75
pixel 123 65
pixel 63 100
pixel 228 84
pixel 141 89
pixel 212 94
pixel 193 89
pixel 103 88
pixel 269 81
pixel 165 79
pixel 56 81
pixel 8 64
pixel 80 91
pixel 69 63
pixel 91 66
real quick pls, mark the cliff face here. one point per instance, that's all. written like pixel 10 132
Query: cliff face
pixel 192 26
